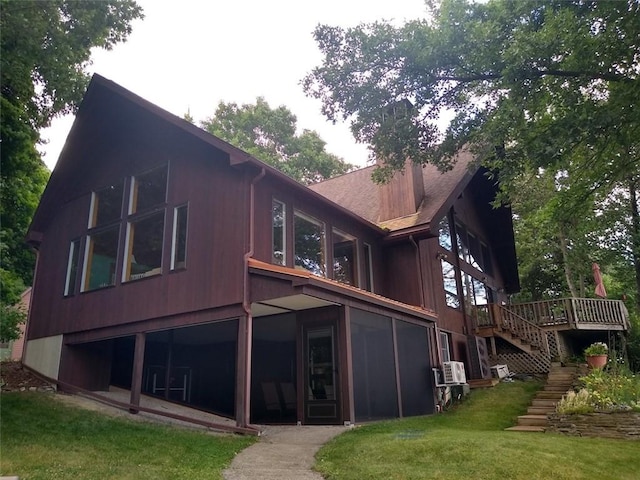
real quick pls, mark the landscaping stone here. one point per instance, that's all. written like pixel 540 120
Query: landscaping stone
pixel 623 425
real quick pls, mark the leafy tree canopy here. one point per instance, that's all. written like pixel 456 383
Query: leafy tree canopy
pixel 526 81
pixel 271 136
pixel 546 92
pixel 45 49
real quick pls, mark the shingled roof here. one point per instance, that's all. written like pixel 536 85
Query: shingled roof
pixel 357 192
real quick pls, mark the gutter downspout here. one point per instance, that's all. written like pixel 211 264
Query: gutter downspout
pixel 245 325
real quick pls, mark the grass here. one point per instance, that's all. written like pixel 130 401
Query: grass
pixel 470 442
pixel 45 439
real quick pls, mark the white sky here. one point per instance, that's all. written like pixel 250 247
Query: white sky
pixel 189 55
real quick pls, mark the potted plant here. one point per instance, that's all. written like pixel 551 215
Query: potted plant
pixel 596 354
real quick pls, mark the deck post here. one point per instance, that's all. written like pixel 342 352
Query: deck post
pixel 243 378
pixel 136 375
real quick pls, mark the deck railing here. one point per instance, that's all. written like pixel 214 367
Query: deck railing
pixel 573 312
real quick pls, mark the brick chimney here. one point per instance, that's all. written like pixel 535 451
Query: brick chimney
pixel 403 194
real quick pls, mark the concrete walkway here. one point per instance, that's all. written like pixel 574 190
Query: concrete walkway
pixel 283 453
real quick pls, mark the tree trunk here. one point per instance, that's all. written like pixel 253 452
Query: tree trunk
pixel 635 233
pixel 568 274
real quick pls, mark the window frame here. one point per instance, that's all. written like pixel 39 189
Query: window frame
pixel 175 240
pixel 445 347
pixel 368 267
pixel 73 266
pixel 322 264
pixel 283 239
pixel 354 268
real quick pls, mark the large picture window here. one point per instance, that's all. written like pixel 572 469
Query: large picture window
pixel 144 237
pixel 101 257
pixel 142 223
pixel 309 249
pixel 145 230
pixel 344 257
pixel 106 205
pixel 148 190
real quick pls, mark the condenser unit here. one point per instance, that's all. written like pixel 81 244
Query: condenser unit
pixel 454 373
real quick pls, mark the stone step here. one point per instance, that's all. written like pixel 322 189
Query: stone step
pixel 540 410
pixel 560 378
pixel 543 402
pixel 525 428
pixel 533 420
pixel 545 395
pixel 557 388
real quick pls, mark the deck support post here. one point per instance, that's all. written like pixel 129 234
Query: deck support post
pixel 243 380
pixel 136 375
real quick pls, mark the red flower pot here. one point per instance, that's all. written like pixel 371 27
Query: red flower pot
pixel 596 361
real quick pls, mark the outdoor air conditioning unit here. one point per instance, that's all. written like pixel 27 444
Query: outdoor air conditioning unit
pixel 454 373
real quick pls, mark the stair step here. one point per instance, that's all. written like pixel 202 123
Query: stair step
pixel 556 388
pixel 540 410
pixel 560 378
pixel 545 395
pixel 526 428
pixel 533 420
pixel 543 402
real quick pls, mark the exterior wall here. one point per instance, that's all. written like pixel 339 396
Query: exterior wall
pixel 43 355
pixel 401 276
pixel 216 198
pixel 269 189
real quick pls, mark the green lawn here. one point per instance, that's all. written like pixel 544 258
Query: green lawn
pixel 470 442
pixel 45 439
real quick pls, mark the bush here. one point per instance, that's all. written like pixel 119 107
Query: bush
pixel 604 391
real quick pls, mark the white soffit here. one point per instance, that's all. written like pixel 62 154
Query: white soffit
pixel 295 302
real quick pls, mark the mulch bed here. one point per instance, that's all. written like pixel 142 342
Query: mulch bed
pixel 15 378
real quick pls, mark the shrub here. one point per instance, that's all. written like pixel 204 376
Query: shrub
pixel 574 402
pixel 597 348
pixel 603 391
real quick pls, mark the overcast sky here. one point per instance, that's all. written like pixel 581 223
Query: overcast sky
pixel 189 55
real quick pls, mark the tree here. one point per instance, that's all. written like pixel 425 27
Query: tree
pixel 45 49
pixel 270 135
pixel 531 85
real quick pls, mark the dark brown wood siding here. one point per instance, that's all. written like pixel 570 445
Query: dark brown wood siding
pixel 217 199
pixel 269 189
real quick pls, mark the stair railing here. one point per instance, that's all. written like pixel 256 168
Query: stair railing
pixel 521 328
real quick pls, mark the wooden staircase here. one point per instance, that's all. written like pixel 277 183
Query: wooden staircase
pixel 559 381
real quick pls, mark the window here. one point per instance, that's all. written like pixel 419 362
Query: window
pixel 450 284
pixel 444 234
pixel 144 240
pixel 278 229
pixel 148 190
pixel 368 268
pixel 72 268
pixel 472 250
pixel 102 241
pixel 309 248
pixel 179 243
pixel 100 259
pixel 344 257
pixel 145 226
pixel 143 222
pixel 106 205
pixel 445 352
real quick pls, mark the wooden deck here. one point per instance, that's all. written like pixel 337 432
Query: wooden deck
pixel 535 328
pixel 560 314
